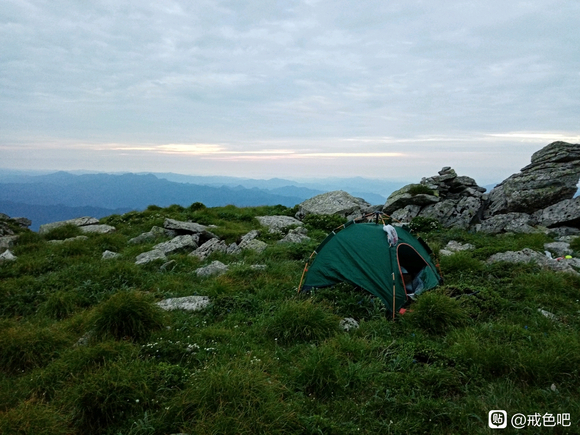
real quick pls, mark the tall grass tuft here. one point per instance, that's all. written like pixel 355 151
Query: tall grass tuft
pixel 300 321
pixel 232 399
pixel 127 315
pixel 33 418
pixel 435 313
pixel 63 232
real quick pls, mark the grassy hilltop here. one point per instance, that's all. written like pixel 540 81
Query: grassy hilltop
pixel 262 359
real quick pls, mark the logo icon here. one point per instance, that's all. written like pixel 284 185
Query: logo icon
pixel 497 419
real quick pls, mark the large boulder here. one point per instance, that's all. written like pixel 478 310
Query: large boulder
pixel 297 235
pixel 337 202
pixel 214 268
pixel 404 197
pixel 564 213
pixel 551 177
pixel 97 229
pixel 277 224
pixel 149 256
pixel 79 222
pixel 453 213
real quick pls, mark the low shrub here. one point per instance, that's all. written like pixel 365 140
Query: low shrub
pixel 420 224
pixel 460 262
pixel 127 315
pixel 197 206
pixel 300 321
pixel 420 189
pixel 33 418
pixel 63 232
pixel 318 373
pixel 59 305
pixel 326 223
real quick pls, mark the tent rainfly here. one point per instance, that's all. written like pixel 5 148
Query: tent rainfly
pixel 364 255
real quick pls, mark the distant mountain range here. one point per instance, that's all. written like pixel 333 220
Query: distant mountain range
pixel 62 195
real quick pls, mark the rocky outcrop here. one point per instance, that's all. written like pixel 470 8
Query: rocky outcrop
pixel 208 248
pixel 337 202
pixel 453 200
pixel 151 235
pixel 97 229
pixel 559 249
pixel 509 222
pixel 563 213
pixel 78 222
pixel 276 224
pixel 178 243
pixel 551 177
pixel 181 227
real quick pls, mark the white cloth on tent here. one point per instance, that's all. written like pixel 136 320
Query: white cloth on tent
pixel 391 234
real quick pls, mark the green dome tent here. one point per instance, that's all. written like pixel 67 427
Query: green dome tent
pixel 361 254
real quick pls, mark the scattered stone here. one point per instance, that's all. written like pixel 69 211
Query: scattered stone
pixel 559 248
pixel 528 255
pixel 250 236
pixel 98 229
pixel 277 224
pixel 258 267
pixel 337 202
pixel 548 314
pixel 214 268
pixel 70 239
pixel 348 323
pixel 149 256
pixel 179 243
pixel 509 222
pixel 107 255
pixel 297 235
pixel 234 249
pixel 551 178
pixel 454 246
pixel 7 256
pixel 254 245
pixel 79 222
pixel 208 248
pixel 187 303
pixel 170 265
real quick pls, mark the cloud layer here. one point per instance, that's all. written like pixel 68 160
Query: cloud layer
pixel 400 83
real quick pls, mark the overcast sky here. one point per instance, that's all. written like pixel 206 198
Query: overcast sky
pixel 384 89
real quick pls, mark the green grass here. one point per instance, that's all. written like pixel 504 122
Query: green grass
pixel 264 359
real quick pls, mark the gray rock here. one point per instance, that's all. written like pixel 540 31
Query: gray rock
pixel 348 324
pixel 7 242
pixel 250 236
pixel 22 221
pixel 527 255
pixel 79 222
pixel 97 229
pixel 149 256
pixel 151 235
pixel 337 202
pixel 563 213
pixel 234 249
pixel 7 256
pixel 187 303
pixel 551 178
pixel 70 239
pixel 214 268
pixel 188 228
pixel 402 198
pixel 277 224
pixel 565 232
pixel 558 248
pixel 548 315
pixel 254 245
pixel 455 246
pixel 407 213
pixel 453 213
pixel 208 248
pixel 107 255
pixel 258 267
pixel 297 235
pixel 179 243
pixel 509 222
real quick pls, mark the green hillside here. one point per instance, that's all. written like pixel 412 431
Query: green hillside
pixel 84 349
